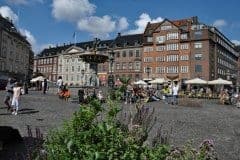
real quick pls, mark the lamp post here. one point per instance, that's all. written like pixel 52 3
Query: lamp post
pixel 111 77
pixel 82 76
pixel 148 71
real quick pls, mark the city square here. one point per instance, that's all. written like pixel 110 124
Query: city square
pixel 214 121
pixel 84 79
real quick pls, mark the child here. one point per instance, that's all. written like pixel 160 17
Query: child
pixel 16 97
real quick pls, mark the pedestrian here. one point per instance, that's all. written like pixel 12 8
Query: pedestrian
pixel 44 86
pixel 175 94
pixel 59 84
pixel 16 98
pixel 9 94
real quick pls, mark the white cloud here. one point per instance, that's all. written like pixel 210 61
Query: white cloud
pixel 23 2
pixel 98 26
pixel 220 23
pixel 122 24
pixel 72 10
pixel 141 23
pixel 236 42
pixel 7 12
pixel 31 39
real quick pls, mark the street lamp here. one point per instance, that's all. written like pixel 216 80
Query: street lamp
pixel 82 75
pixel 111 77
pixel 148 71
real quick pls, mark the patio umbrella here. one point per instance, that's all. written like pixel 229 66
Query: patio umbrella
pixel 157 81
pixel 39 78
pixel 140 82
pixel 196 81
pixel 220 81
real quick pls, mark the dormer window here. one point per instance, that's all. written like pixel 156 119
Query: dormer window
pixel 149 39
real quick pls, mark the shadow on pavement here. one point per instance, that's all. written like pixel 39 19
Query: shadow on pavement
pixel 3 107
pixel 13 146
pixel 22 111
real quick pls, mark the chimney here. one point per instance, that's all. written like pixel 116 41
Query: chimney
pixel 119 34
pixel 195 20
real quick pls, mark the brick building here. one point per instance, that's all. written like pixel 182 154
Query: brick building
pixel 128 56
pixel 187 49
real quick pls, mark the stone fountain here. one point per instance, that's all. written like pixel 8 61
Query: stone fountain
pixel 93 58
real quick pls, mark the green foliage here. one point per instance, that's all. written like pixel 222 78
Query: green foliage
pixel 86 137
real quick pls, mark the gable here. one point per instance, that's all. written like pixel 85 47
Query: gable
pixel 166 25
pixel 74 50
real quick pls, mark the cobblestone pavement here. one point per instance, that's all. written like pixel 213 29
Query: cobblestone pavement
pixel 221 123
pixel 37 110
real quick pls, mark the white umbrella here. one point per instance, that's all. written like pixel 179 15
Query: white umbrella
pixel 157 81
pixel 140 82
pixel 220 81
pixel 39 78
pixel 196 81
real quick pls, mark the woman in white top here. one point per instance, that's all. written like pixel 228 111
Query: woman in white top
pixel 16 97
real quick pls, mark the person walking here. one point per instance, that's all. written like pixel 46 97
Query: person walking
pixel 44 86
pixel 16 97
pixel 9 94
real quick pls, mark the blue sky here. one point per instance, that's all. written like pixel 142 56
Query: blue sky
pixel 53 22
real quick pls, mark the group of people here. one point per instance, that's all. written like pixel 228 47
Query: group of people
pixel 13 92
pixel 169 94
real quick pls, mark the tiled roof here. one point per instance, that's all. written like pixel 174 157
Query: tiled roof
pixel 57 50
pixel 128 40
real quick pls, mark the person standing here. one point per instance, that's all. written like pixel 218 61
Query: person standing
pixel 59 83
pixel 44 86
pixel 175 94
pixel 16 97
pixel 9 89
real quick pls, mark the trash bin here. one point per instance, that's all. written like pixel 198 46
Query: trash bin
pixel 80 96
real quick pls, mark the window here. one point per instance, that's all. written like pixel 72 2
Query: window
pixel 198 34
pixel 166 27
pixel 184 46
pixel 148 49
pixel 124 66
pixel 198 45
pixel 124 53
pixel 117 54
pixel 130 65
pixel 138 53
pixel 171 36
pixel 160 69
pixel 66 69
pixel 184 36
pixel 172 69
pixel 172 58
pixel 184 69
pixel 160 48
pixel 147 69
pixel 138 66
pixel 172 47
pixel 184 57
pixel 149 39
pixel 198 56
pixel 160 39
pixel 160 59
pixel 73 59
pixel 148 59
pixel 72 68
pixel 198 68
pixel 118 66
pixel 79 68
pixel 130 53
